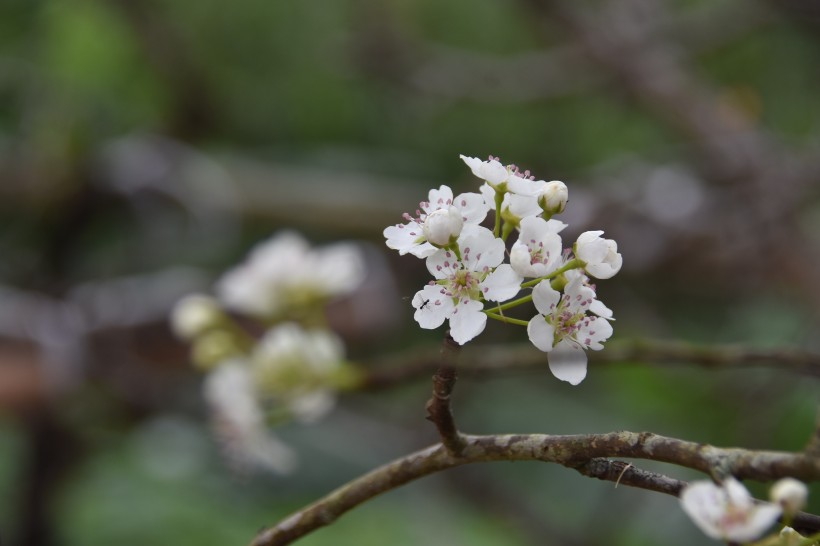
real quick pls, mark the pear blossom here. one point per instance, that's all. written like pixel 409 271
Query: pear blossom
pixel 553 197
pixel 600 256
pixel 462 285
pixel 790 494
pixel 563 329
pixel 727 511
pixel 414 236
pixel 538 250
pixel 501 178
pixel 297 368
pixel 514 206
pixel 239 420
pixel 284 273
pixel 193 315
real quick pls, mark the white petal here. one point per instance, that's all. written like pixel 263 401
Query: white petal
pixel 424 250
pixel 480 249
pixel 600 309
pixel 488 193
pixel 467 321
pixel 705 503
pixel 524 186
pixel 472 206
pixel 545 297
pixel 403 237
pixel 432 307
pixel 439 199
pixel 443 264
pixel 759 519
pixel 541 333
pixel 502 284
pixel 594 331
pixel 736 493
pixel 523 205
pixel 521 260
pixel 568 362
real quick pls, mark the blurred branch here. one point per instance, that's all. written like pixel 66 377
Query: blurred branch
pixel 523 357
pixel 581 452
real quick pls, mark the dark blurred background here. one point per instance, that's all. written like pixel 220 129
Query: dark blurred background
pixel 145 145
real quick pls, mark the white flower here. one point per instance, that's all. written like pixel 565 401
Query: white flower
pixel 600 256
pixel 193 315
pixel 297 368
pixel 502 178
pixel 514 205
pixel 538 249
pixel 239 420
pixel 727 512
pixel 463 284
pixel 284 272
pixel 412 237
pixel 442 227
pixel 553 197
pixel 790 494
pixel 563 329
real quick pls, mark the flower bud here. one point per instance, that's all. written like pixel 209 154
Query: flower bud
pixel 600 256
pixel 553 197
pixel 213 348
pixel 789 493
pixel 193 315
pixel 443 226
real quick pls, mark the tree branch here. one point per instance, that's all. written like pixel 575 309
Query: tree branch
pixel 585 453
pixel 438 407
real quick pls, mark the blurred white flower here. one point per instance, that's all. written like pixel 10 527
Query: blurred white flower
pixel 284 272
pixel 239 420
pixel 563 329
pixel 464 284
pixel 299 369
pixel 727 512
pixel 538 250
pixel 412 237
pixel 790 494
pixel 600 256
pixel 194 314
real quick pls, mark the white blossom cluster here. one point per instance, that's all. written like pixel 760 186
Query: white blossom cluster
pixel 728 512
pixel 295 367
pixel 478 275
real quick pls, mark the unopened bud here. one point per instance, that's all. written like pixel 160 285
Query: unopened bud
pixel 213 348
pixel 193 315
pixel 553 197
pixel 443 226
pixel 789 493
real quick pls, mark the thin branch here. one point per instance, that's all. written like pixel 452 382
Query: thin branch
pixel 582 452
pixel 438 407
pixel 508 358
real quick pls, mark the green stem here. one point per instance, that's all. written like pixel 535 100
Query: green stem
pixel 572 264
pixel 514 303
pixel 499 198
pixel 508 320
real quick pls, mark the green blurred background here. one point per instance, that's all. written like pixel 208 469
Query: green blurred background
pixel 145 145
